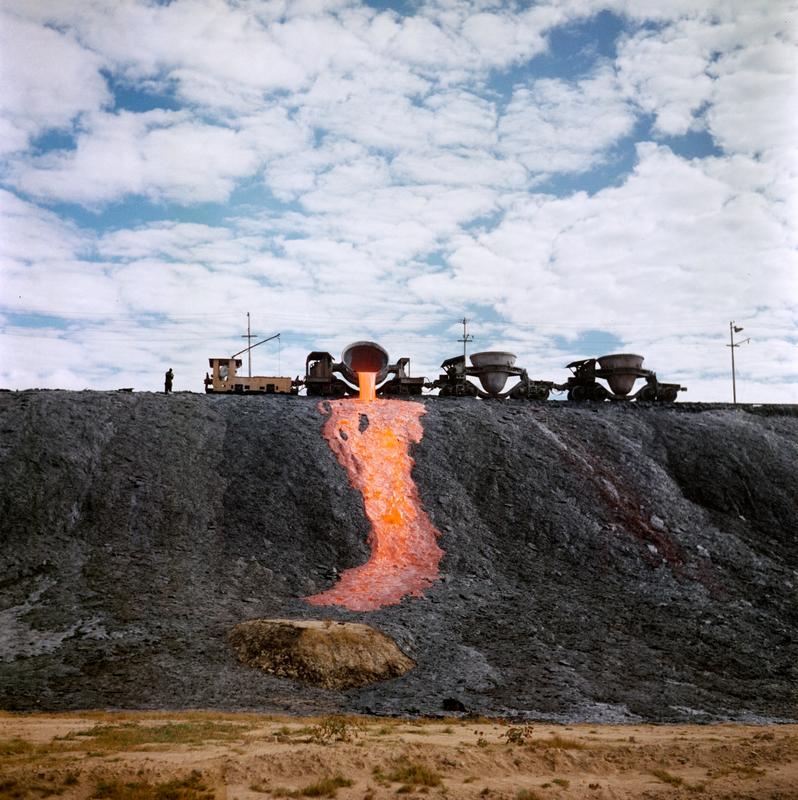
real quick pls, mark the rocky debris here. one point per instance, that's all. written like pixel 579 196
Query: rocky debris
pixel 333 655
pixel 601 562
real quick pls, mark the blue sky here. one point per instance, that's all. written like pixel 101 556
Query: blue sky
pixel 576 178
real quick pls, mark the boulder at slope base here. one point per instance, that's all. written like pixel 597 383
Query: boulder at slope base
pixel 333 655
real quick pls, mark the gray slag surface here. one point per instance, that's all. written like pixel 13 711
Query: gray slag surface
pixel 608 563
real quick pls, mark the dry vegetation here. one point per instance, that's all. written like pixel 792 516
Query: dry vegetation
pixel 211 756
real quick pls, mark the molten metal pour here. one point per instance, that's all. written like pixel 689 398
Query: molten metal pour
pixel 367 383
pixel 404 553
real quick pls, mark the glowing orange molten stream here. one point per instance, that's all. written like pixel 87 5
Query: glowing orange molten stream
pixel 367 381
pixel 404 553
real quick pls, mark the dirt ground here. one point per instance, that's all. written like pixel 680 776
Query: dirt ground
pixel 204 755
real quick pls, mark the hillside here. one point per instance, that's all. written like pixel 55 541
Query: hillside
pixel 600 563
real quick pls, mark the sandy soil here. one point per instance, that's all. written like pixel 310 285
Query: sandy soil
pixel 256 757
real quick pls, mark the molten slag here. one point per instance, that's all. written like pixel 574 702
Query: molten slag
pixel 404 552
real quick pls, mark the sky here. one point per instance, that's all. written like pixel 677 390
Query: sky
pixel 574 177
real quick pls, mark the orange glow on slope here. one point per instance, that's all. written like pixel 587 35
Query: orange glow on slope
pixel 366 382
pixel 404 553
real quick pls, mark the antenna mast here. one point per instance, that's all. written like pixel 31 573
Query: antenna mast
pixel 467 337
pixel 249 336
pixel 732 330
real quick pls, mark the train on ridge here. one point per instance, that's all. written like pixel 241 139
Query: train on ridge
pixel 326 377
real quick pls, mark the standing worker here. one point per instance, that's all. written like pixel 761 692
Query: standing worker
pixel 167 382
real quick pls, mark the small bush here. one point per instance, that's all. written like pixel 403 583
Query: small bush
pixel 518 735
pixel 334 729
pixel 414 774
pixel 326 787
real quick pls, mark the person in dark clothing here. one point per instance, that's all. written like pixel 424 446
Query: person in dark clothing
pixel 167 383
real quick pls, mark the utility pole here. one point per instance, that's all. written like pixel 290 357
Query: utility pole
pixel 466 336
pixel 732 330
pixel 249 337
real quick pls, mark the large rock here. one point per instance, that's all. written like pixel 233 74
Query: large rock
pixel 333 655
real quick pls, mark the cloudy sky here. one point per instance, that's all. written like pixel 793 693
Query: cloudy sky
pixel 577 177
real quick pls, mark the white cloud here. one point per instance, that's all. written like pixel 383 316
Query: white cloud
pixel 665 72
pixel 754 94
pixel 729 68
pixel 32 234
pixel 46 80
pixel 158 154
pixel 673 250
pixel 554 126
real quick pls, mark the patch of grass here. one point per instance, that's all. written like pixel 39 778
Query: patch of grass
pixel 667 777
pixel 326 787
pixel 561 782
pixel 16 746
pixel 45 785
pixel 555 742
pixel 526 794
pixel 740 770
pixel 131 735
pixel 414 774
pixel 189 788
pixel 12 789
